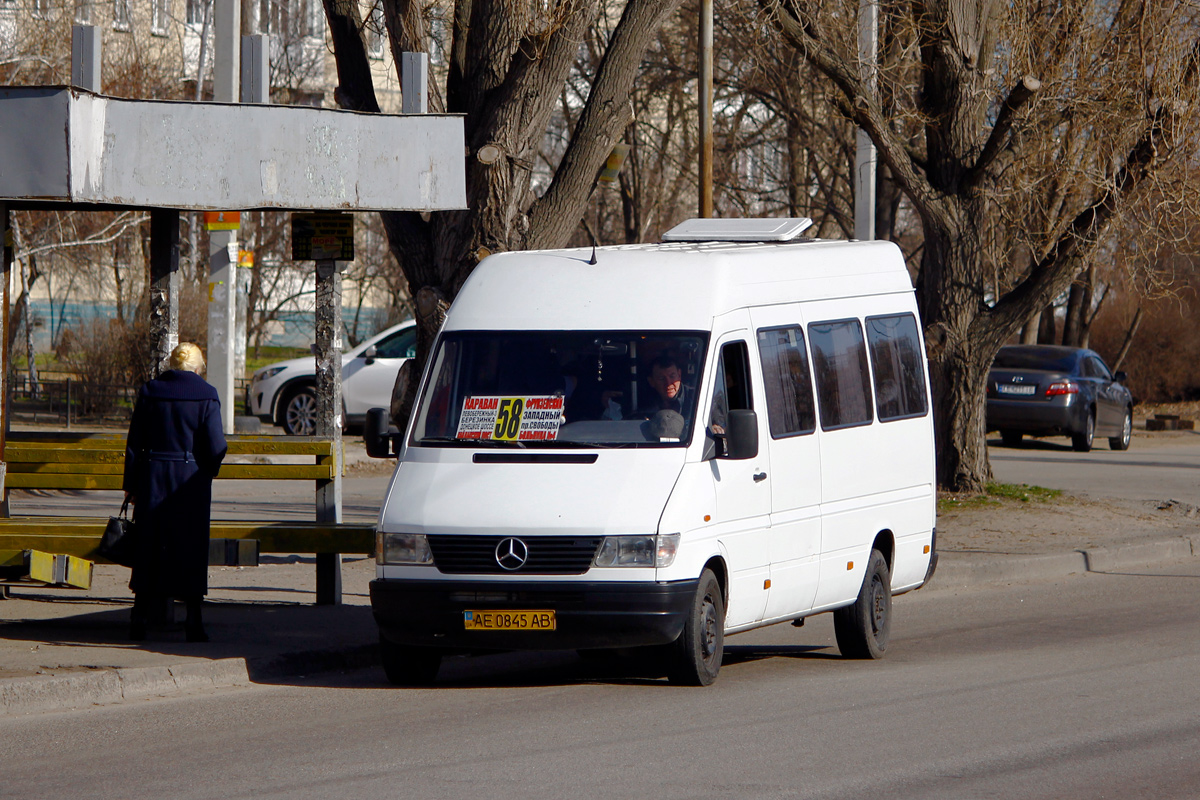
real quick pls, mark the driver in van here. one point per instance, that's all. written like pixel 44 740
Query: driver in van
pixel 670 393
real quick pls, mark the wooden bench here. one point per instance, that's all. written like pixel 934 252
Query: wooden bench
pixel 68 460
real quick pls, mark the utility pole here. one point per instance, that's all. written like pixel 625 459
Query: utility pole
pixel 864 152
pixel 706 108
pixel 223 226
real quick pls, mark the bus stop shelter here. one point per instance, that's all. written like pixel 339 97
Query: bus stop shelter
pixel 63 148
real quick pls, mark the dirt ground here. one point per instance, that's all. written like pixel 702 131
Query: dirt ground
pixel 1071 522
pixel 1063 524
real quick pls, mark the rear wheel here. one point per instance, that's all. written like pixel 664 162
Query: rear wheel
pixel 409 666
pixel 1082 442
pixel 299 415
pixel 1010 438
pixel 862 629
pixel 1122 442
pixel 695 657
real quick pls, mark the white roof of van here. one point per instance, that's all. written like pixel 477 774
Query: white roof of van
pixel 666 286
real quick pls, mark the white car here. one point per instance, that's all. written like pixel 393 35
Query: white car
pixel 285 393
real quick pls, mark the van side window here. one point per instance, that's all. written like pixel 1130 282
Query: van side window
pixel 790 406
pixel 731 390
pixel 899 370
pixel 843 379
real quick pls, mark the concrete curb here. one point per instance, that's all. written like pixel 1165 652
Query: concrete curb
pixel 961 570
pixel 96 687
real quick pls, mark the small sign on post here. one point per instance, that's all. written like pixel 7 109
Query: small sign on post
pixel 323 237
pixel 327 238
pixel 222 220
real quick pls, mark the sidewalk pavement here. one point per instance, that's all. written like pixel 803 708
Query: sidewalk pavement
pixel 64 649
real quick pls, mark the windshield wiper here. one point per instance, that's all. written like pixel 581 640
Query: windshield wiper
pixel 469 442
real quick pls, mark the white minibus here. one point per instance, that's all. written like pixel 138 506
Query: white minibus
pixel 658 445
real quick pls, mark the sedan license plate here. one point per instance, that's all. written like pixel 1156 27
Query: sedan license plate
pixel 535 620
pixel 1015 388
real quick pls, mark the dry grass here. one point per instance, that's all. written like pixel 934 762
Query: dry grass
pixel 1189 410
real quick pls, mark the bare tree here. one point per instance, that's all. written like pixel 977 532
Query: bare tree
pixel 507 66
pixel 1082 102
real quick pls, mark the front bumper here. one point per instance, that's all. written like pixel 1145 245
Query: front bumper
pixel 589 614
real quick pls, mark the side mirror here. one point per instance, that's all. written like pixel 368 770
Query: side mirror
pixel 1120 377
pixel 741 435
pixel 377 434
pixel 369 354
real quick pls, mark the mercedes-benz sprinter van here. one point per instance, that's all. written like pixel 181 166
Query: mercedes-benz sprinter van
pixel 660 445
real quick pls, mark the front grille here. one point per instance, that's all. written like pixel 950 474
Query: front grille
pixel 548 555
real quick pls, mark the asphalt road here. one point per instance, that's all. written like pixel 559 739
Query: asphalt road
pixel 1084 688
pixel 1153 468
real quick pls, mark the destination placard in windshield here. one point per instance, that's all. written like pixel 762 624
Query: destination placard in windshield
pixel 511 419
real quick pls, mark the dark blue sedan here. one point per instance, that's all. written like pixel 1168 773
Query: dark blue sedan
pixel 1045 390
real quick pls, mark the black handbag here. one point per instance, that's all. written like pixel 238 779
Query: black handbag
pixel 120 538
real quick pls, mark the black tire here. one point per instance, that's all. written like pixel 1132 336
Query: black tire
pixel 1082 442
pixel 695 657
pixel 863 629
pixel 409 666
pixel 1122 442
pixel 1011 438
pixel 298 411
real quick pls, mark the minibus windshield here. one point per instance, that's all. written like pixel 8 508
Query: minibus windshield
pixel 562 389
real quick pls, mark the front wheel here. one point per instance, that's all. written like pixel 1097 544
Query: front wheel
pixel 1122 442
pixel 409 666
pixel 695 657
pixel 862 629
pixel 1082 442
pixel 300 411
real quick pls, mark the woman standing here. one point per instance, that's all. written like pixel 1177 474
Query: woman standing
pixel 173 451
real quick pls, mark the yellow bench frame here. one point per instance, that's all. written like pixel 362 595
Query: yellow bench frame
pixel 95 461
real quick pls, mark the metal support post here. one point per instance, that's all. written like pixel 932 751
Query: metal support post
pixel 256 83
pixel 85 57
pixel 164 284
pixel 222 313
pixel 329 420
pixel 6 259
pixel 227 28
pixel 414 83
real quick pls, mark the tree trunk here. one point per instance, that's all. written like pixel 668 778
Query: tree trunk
pixel 431 306
pixel 1129 334
pixel 960 351
pixel 1047 333
pixel 1029 333
pixel 1073 324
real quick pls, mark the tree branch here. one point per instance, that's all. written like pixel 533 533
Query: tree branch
pixel 604 119
pixel 860 104
pixel 355 89
pixel 1018 97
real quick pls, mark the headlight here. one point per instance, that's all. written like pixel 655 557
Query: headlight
pixel 637 551
pixel 270 372
pixel 402 548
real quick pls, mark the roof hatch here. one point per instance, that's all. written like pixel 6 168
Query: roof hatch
pixel 738 230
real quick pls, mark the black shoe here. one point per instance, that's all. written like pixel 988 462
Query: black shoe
pixel 195 633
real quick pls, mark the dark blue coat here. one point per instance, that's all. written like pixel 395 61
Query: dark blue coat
pixel 173 452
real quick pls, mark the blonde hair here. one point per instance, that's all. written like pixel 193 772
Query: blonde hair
pixel 189 357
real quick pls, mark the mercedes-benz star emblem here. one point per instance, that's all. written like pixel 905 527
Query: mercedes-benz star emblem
pixel 511 554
